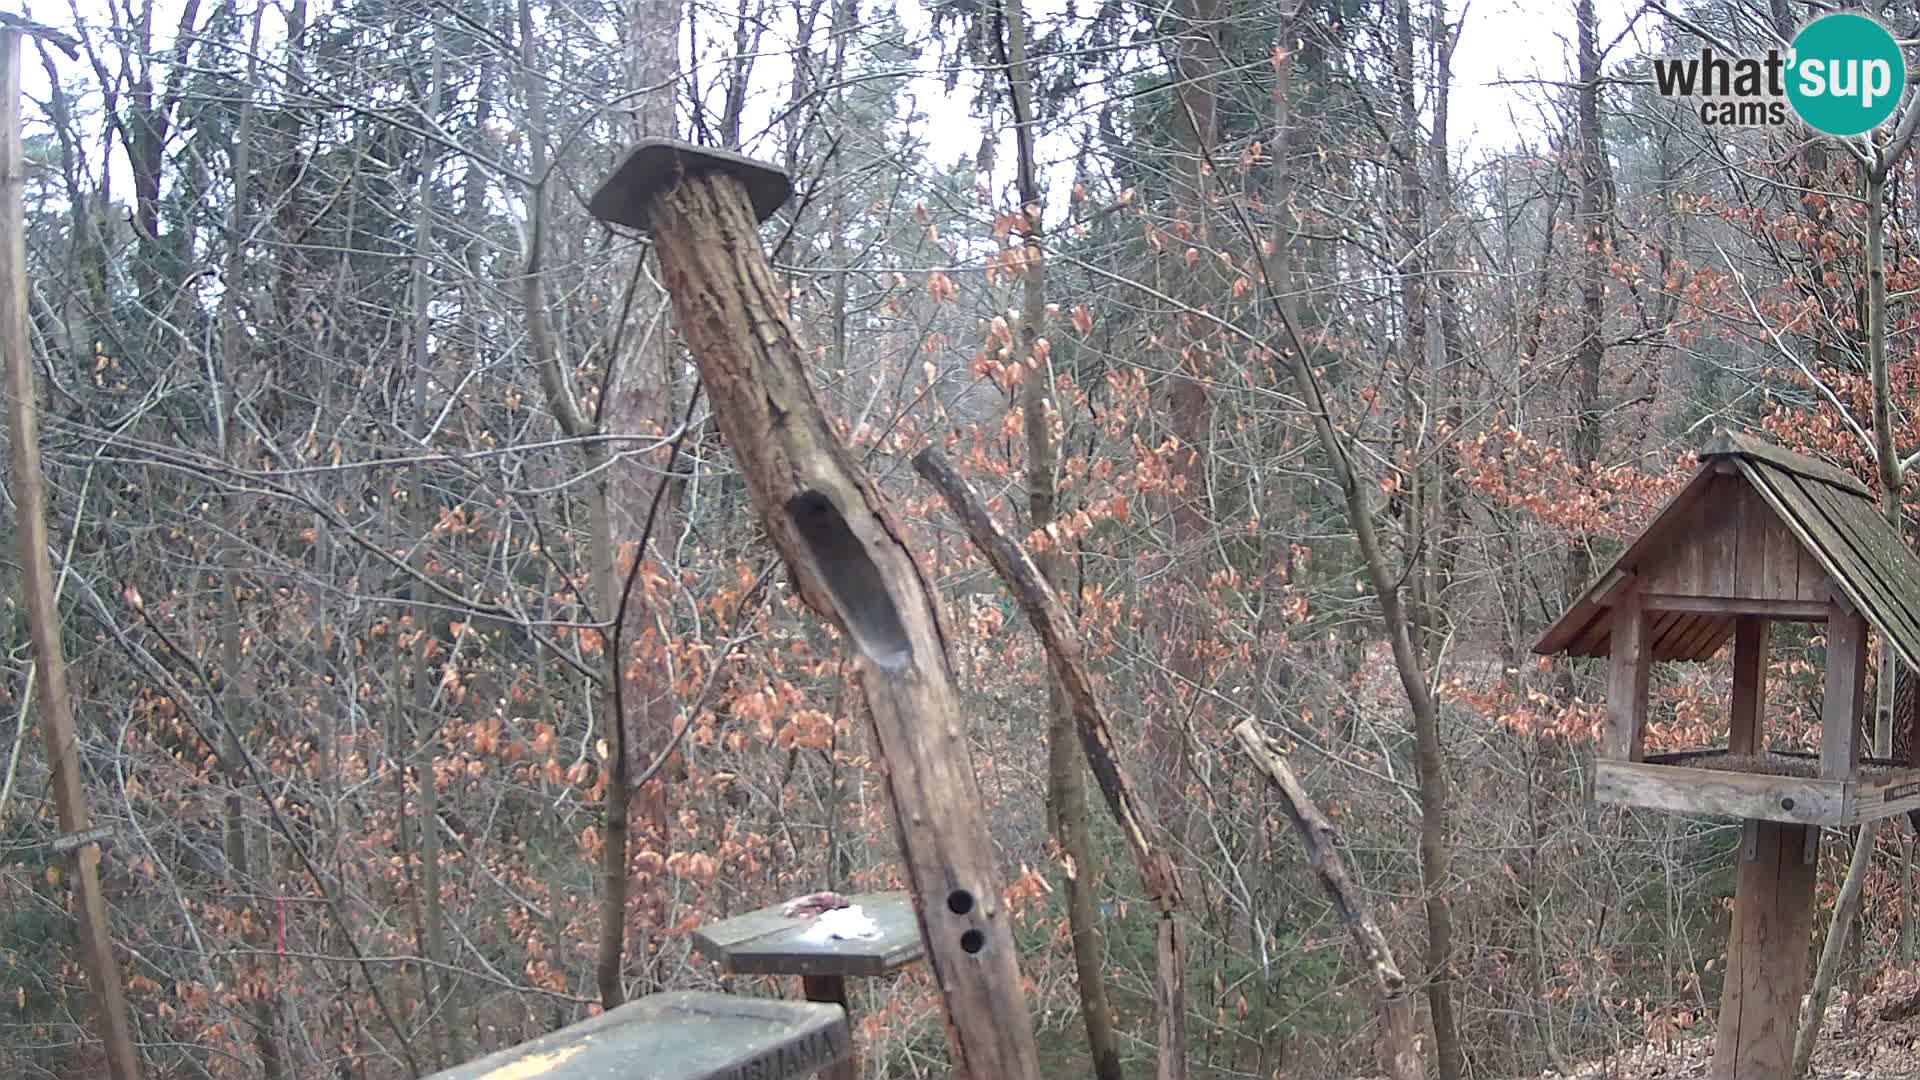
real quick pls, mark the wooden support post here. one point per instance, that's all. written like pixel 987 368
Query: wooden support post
pixel 1841 705
pixel 1766 955
pixel 36 571
pixel 1748 734
pixel 832 990
pixel 1627 668
pixel 843 547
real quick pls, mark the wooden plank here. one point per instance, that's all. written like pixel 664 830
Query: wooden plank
pixel 1753 520
pixel 1665 645
pixel 1892 599
pixel 1814 581
pixel 1708 637
pixel 1627 682
pixel 1788 509
pixel 1687 757
pixel 1720 793
pixel 1747 732
pixel 1766 957
pixel 1595 638
pixel 1845 694
pixel 1782 610
pixel 1719 538
pixel 1885 796
pixel 1732 443
pixel 685 1035
pixel 1784 555
pixel 766 942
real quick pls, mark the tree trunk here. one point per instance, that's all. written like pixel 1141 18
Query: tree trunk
pixel 1066 784
pixel 842 546
pixel 638 401
pixel 1590 349
pixel 422 715
pixel 240 688
pixel 1847 908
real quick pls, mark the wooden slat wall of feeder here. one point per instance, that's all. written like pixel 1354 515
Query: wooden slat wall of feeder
pixel 1758 535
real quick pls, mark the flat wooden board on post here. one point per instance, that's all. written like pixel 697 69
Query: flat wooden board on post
pixel 684 1035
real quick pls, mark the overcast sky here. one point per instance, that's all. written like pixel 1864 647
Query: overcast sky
pixel 1508 47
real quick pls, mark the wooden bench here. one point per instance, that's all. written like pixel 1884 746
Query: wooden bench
pixel 684 1035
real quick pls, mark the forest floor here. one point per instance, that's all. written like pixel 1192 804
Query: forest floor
pixel 1874 1038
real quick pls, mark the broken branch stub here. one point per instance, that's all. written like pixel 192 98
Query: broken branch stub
pixel 844 549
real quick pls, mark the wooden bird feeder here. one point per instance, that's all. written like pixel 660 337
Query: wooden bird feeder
pixel 1758 535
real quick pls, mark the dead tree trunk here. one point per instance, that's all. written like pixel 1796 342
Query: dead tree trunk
pixel 845 552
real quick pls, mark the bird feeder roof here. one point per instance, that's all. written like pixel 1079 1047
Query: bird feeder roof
pixel 1758 525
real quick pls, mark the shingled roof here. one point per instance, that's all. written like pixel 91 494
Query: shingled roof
pixel 1833 517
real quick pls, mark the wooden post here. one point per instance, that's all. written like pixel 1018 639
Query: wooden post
pixel 843 548
pixel 1627 667
pixel 43 616
pixel 832 990
pixel 1767 955
pixel 1748 734
pixel 1840 707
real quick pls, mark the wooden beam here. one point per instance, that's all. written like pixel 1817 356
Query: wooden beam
pixel 1895 792
pixel 1784 610
pixel 843 545
pixel 1748 731
pixel 1627 681
pixel 1766 955
pixel 1844 697
pixel 37 585
pixel 1720 792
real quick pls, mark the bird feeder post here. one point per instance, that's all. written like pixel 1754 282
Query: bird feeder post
pixel 1766 952
pixel 843 547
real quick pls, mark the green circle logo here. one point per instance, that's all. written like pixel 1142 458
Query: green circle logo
pixel 1846 74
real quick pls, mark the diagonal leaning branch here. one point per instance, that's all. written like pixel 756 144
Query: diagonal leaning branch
pixel 1400 1048
pixel 1068 660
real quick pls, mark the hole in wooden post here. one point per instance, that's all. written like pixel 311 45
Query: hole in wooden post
pixel 848 572
pixel 959 901
pixel 973 941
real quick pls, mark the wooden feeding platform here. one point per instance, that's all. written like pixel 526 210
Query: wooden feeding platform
pixel 1759 535
pixel 685 1035
pixel 769 942
pixel 1778 785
